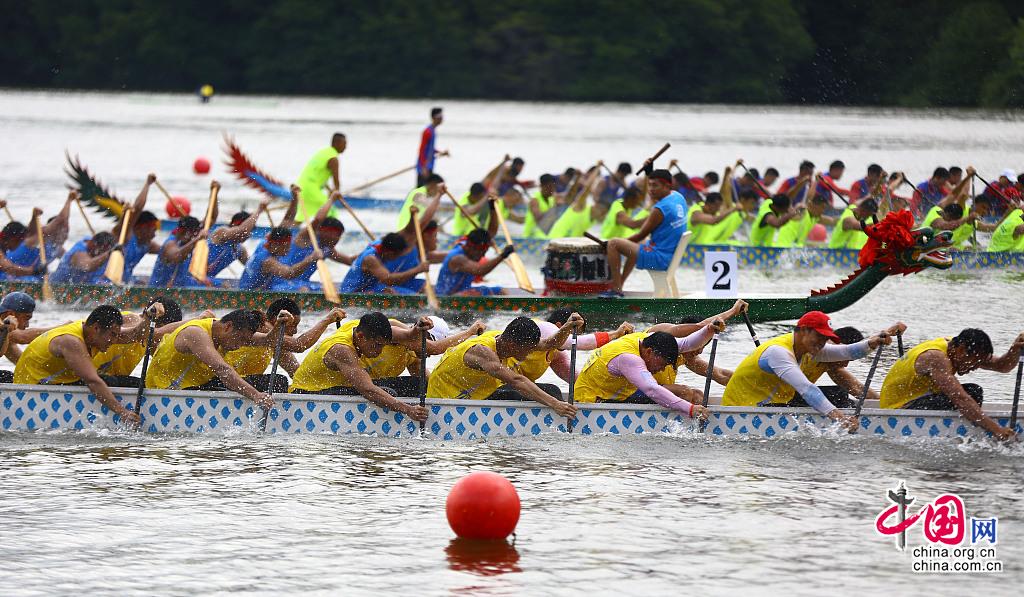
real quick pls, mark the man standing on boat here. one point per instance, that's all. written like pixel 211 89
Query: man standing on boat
pixel 320 169
pixel 63 355
pixel 427 153
pixel 926 377
pixel 479 367
pixel 665 225
pixel 779 368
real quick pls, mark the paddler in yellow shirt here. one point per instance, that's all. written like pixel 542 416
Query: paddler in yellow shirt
pixel 320 168
pixel 193 354
pixel 116 364
pixel 478 367
pixel 925 377
pixel 63 354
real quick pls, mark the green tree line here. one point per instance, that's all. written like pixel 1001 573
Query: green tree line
pixel 863 52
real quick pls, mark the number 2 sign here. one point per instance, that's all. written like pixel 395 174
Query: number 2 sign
pixel 720 274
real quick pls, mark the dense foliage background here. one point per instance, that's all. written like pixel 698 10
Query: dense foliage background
pixel 872 52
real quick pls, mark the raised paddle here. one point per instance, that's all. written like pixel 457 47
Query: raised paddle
pixel 85 216
pixel 423 376
pixel 756 181
pixel 338 196
pixel 177 206
pixel 707 379
pixel 115 263
pixel 270 218
pixel 140 394
pixel 493 244
pixel 831 191
pixel 522 278
pixel 750 328
pixel 572 377
pixel 663 149
pixel 47 290
pixel 326 281
pixel 273 374
pixel 1016 393
pixel 615 175
pixel 201 252
pixel 427 286
pixel 899 343
pixel 867 384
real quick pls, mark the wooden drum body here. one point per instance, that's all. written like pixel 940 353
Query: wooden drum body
pixel 575 266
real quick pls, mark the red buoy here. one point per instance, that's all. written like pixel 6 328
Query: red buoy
pixel 201 166
pixel 172 211
pixel 483 505
pixel 818 234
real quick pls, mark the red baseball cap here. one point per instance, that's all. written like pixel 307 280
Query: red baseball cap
pixel 819 322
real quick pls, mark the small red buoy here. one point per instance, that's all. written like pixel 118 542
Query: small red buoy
pixel 818 234
pixel 483 505
pixel 173 212
pixel 201 166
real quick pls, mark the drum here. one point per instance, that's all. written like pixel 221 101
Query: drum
pixel 575 266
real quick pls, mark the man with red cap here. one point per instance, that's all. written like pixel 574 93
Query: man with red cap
pixel 665 225
pixel 785 367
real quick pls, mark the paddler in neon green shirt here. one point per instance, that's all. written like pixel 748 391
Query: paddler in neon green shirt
pixel 474 205
pixel 706 219
pixel 773 215
pixel 320 168
pixel 849 230
pixel 623 219
pixel 1009 234
pixel 421 197
pixel 795 232
pixel 723 231
pixel 542 201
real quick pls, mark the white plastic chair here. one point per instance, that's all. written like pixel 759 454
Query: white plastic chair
pixel 665 281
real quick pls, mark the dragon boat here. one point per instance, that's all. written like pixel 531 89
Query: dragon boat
pixel 26 408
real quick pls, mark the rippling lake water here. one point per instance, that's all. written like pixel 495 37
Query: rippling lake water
pixel 117 514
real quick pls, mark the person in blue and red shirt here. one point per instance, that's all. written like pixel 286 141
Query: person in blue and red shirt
pixel 863 187
pixel 828 184
pixel 771 175
pixel 425 158
pixel 928 194
pixel 1007 190
pixel 795 186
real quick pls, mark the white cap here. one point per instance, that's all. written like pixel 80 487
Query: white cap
pixel 440 331
pixel 1009 173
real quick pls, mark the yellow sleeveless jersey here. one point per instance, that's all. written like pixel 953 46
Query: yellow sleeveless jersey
pixel 38 365
pixel 313 374
pixel 750 386
pixel 119 359
pixel 173 370
pixel 904 383
pixel 452 378
pixel 595 381
pixel 250 360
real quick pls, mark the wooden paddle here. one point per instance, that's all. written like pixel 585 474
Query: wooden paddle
pixel 351 212
pixel 725 189
pixel 181 210
pixel 115 263
pixel 326 281
pixel 145 367
pixel 899 343
pixel 47 290
pixel 431 295
pixel 8 212
pixel 831 191
pixel 270 218
pixel 201 252
pixel 663 149
pixel 707 379
pixel 476 225
pixel 273 374
pixel 867 384
pixel 754 178
pixel 522 278
pixel 572 377
pixel 615 175
pixel 85 216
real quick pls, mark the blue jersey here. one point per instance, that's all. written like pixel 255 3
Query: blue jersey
pixel 26 256
pixel 68 274
pixel 449 282
pixel 404 263
pixel 253 277
pixel 168 275
pixel 221 256
pixel 673 224
pixel 356 280
pixel 133 254
pixel 612 190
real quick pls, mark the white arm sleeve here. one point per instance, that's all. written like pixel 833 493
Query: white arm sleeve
pixel 696 340
pixel 781 362
pixel 842 352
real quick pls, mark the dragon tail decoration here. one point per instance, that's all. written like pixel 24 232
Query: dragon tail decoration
pixel 242 167
pixel 93 193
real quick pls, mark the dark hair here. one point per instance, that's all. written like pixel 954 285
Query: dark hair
pixel 145 217
pixel 781 201
pixel 631 192
pixel 819 200
pixel 283 304
pixel 479 236
pixel 807 165
pixel 104 239
pixel 244 319
pixel 522 331
pixel 875 169
pixel 476 188
pixel 278 234
pixel 559 316
pixel 955 170
pixel 1020 179
pixel 748 194
pixel 681 179
pixel 337 137
pixel 393 242
pixel 953 211
pixel 547 179
pixel 375 325
pixel 713 198
pixel 771 171
pixel 975 341
pixel 518 161
pixel 431 225
pixel 849 335
pixel 14 229
pixel 105 317
pixel 870 205
pixel 624 168
pixel 984 199
pixel 837 164
pixel 434 178
pixel 570 172
pixel 753 173
pixel 189 223
pixel 712 176
pixel 330 223
pixel 434 112
pixel 172 310
pixel 940 172
pixel 239 217
pixel 664 345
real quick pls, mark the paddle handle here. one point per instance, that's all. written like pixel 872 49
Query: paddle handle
pixel 177 206
pixel 663 149
pixel 867 382
pixel 750 328
pixel 756 181
pixel 431 295
pixel 47 289
pixel 1016 393
pixel 140 394
pixel 899 343
pixel 351 212
pixel 830 190
pixel 423 375
pixel 326 281
pixel 572 376
pixel 707 378
pixel 85 216
pixel 273 376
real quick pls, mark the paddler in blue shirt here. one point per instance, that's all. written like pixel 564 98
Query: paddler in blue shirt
pixel 86 261
pixel 328 232
pixel 226 244
pixel 23 259
pixel 369 274
pixel 142 229
pixel 320 168
pixel 171 268
pixel 664 225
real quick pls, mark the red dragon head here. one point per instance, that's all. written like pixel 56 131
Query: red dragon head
pixel 894 244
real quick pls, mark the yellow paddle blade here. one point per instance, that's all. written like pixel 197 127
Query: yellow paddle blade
pixel 115 268
pixel 330 290
pixel 47 289
pixel 200 257
pixel 522 278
